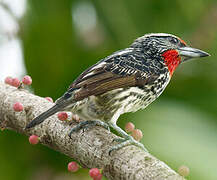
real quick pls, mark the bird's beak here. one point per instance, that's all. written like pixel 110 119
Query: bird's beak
pixel 189 52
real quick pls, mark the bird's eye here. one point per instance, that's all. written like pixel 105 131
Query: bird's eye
pixel 173 40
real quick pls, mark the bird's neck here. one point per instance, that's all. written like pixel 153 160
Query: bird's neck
pixel 172 60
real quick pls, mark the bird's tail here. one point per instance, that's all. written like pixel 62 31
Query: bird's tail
pixel 59 106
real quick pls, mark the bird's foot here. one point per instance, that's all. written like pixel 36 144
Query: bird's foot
pixel 126 141
pixel 88 124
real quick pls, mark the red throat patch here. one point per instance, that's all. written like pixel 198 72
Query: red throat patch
pixel 172 60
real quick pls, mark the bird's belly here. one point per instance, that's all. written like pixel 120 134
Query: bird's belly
pixel 122 100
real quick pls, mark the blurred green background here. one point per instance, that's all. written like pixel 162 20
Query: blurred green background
pixel 60 39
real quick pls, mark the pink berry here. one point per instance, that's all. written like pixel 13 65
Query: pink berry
pixel 18 107
pixel 27 80
pixel 15 82
pixel 95 174
pixel 73 166
pixel 62 116
pixel 49 99
pixel 33 139
pixel 8 80
pixel 99 177
pixel 129 127
pixel 137 134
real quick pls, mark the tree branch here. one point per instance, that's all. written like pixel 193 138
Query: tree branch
pixel 89 148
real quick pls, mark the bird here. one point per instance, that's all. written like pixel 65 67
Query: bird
pixel 126 81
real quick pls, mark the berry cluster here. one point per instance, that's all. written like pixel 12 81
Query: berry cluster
pixel 64 116
pixel 136 133
pixel 27 80
pixel 94 173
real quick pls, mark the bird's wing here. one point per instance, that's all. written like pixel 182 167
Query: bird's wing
pixel 120 70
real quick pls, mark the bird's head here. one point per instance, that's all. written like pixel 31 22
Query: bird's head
pixel 168 48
